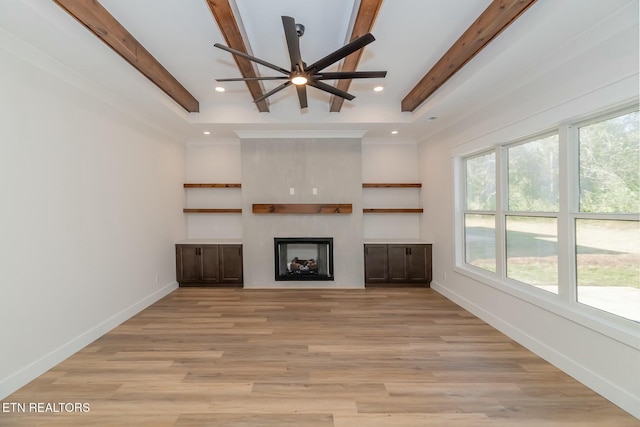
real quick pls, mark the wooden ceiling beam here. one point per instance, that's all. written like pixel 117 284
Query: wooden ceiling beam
pixel 223 14
pixel 100 22
pixel 365 18
pixel 495 18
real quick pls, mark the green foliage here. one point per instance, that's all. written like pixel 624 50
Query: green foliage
pixel 533 176
pixel 481 182
pixel 609 165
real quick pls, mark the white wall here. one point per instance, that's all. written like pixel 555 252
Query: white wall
pixel 214 160
pixel 91 207
pixel 599 354
pixel 390 160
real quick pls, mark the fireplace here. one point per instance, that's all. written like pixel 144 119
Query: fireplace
pixel 303 258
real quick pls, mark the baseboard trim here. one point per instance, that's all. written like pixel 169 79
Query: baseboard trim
pixel 30 372
pixel 597 383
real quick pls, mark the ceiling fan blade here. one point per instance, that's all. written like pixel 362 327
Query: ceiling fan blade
pixel 302 95
pixel 252 58
pixel 346 50
pixel 248 79
pixel 271 92
pixel 293 43
pixel 332 90
pixel 349 75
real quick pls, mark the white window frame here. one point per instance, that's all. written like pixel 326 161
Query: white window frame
pixel 504 211
pixel 565 302
pixel 466 211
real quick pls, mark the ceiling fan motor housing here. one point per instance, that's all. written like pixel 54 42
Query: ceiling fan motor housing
pixel 300 30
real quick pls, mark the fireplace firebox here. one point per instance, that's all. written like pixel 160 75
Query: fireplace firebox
pixel 303 258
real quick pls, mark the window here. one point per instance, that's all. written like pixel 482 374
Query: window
pixel 532 251
pixel 583 248
pixel 606 226
pixel 480 216
pixel 533 193
pixel 608 152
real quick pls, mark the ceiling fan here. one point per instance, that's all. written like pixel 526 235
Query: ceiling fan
pixel 302 75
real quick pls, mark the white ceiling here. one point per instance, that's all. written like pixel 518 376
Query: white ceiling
pixel 411 35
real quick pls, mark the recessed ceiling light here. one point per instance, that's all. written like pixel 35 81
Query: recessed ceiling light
pixel 394 132
pixel 219 89
pixel 378 89
pixel 206 132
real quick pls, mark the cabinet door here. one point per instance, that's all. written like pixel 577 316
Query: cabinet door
pixel 188 265
pixel 398 268
pixel 376 264
pixel 231 263
pixel 209 263
pixel 417 262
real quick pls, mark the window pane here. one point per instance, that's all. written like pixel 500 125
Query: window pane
pixel 609 163
pixel 608 266
pixel 480 241
pixel 481 182
pixel 532 251
pixel 533 175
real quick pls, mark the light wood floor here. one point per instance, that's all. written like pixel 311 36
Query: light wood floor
pixel 310 358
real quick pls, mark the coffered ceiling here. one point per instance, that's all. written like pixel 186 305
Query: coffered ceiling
pixel 512 40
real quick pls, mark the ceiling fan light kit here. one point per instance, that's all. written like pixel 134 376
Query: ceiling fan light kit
pixel 299 79
pixel 302 75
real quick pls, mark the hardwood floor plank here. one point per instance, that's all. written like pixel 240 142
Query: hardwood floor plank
pixel 455 389
pixel 287 405
pixel 166 355
pixel 308 390
pixel 182 391
pixel 88 420
pixel 310 358
pixel 255 420
pixel 411 420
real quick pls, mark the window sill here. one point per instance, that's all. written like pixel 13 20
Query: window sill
pixel 618 328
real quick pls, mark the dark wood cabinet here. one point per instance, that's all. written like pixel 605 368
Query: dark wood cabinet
pixel 376 263
pixel 230 257
pixel 398 264
pixel 398 271
pixel 419 263
pixel 209 265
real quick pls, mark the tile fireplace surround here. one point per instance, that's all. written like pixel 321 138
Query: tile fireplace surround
pixel 271 168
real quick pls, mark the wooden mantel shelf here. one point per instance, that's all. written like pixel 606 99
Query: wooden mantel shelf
pixel 186 185
pixel 302 208
pixel 392 210
pixel 391 185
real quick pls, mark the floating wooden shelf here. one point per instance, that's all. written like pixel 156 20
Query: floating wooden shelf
pixel 207 210
pixel 302 208
pixel 212 210
pixel 391 185
pixel 212 185
pixel 393 210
